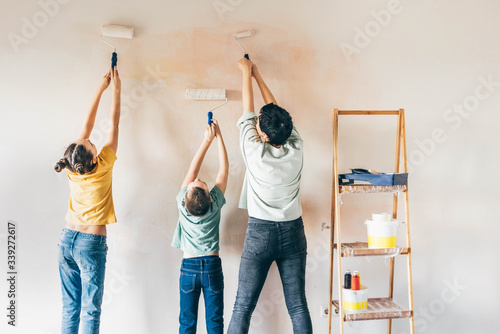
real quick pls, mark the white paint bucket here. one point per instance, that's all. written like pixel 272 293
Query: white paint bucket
pixel 382 231
pixel 355 301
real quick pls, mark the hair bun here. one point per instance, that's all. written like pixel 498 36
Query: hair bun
pixel 60 165
pixel 79 168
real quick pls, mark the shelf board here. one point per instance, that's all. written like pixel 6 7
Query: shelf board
pixel 378 309
pixel 369 188
pixel 361 249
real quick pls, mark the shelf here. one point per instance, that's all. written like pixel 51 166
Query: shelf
pixel 361 249
pixel 369 188
pixel 378 309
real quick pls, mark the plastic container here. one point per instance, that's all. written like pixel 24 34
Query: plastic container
pixel 355 301
pixel 382 231
pixel 347 279
pixel 355 281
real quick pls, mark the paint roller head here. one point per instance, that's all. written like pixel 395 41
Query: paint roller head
pixel 244 34
pixel 206 94
pixel 119 31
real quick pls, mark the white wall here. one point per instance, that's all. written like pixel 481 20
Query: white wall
pixel 427 58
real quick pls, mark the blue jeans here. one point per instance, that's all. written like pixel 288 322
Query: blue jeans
pixel 266 242
pixel 82 263
pixel 204 272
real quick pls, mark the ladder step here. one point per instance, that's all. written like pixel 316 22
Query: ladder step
pixel 378 309
pixel 361 249
pixel 369 188
pixel 369 112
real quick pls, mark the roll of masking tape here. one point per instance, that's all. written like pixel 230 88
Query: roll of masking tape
pixel 381 217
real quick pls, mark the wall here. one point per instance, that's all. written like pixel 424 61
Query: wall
pixel 438 60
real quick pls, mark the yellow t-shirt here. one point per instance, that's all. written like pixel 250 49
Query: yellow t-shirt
pixel 91 198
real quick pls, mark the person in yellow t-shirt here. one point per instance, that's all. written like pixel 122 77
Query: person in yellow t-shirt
pixel 82 246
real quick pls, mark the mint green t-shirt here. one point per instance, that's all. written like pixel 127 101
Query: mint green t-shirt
pixel 199 235
pixel 272 180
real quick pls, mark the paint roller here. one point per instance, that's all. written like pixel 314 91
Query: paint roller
pixel 243 34
pixel 116 31
pixel 207 95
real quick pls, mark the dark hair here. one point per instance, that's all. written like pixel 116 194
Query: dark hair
pixel 77 159
pixel 198 203
pixel 276 123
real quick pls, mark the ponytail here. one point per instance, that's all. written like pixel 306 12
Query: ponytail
pixel 79 168
pixel 60 165
pixel 76 159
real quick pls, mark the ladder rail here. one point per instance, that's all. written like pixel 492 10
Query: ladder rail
pixel 332 226
pixel 394 213
pixel 408 240
pixel 335 230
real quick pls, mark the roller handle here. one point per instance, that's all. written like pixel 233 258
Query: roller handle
pixel 246 56
pixel 114 60
pixel 210 114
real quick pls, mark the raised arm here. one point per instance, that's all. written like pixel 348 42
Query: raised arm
pixel 264 90
pixel 194 168
pixel 88 124
pixel 222 176
pixel 245 66
pixel 112 140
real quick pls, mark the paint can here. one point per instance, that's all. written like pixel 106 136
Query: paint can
pixel 381 231
pixel 355 301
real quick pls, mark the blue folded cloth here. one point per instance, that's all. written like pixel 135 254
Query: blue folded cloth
pixel 380 179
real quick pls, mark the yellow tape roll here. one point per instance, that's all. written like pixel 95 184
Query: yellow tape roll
pixel 385 242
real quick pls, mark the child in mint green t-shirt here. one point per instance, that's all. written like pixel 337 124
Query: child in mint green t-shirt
pixel 197 235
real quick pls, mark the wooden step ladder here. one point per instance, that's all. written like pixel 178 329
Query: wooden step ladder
pixel 378 308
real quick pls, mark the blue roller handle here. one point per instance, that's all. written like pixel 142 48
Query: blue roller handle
pixel 114 60
pixel 246 56
pixel 210 118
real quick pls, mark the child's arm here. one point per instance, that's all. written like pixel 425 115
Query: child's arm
pixel 88 125
pixel 264 90
pixel 221 181
pixel 194 168
pixel 245 66
pixel 112 140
